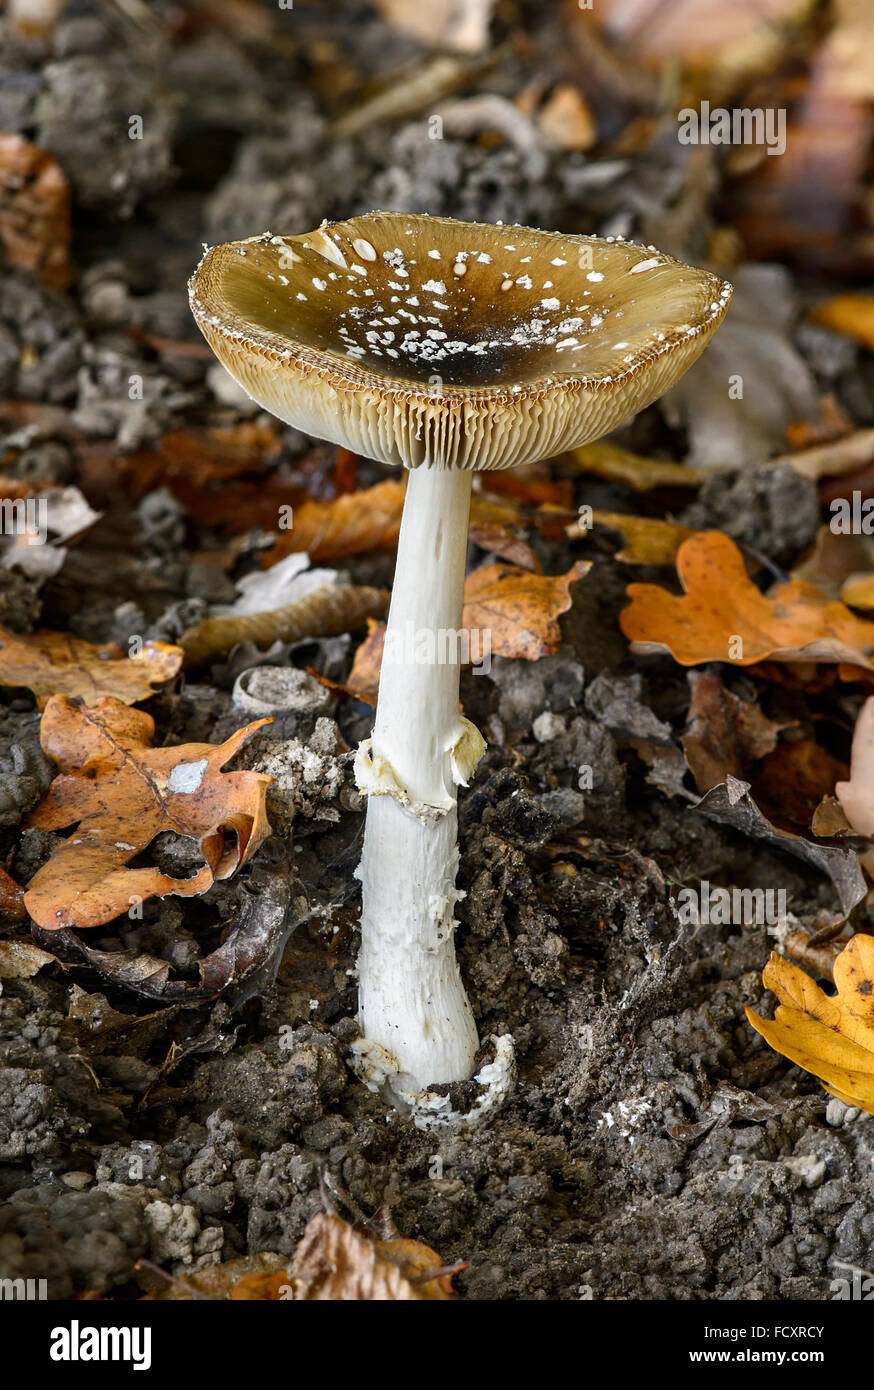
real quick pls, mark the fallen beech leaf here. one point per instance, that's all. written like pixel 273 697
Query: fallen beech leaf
pixel 333 1263
pixel 830 1036
pixel 724 734
pixel 722 616
pixel 834 460
pixel 34 211
pixel 648 540
pixel 519 610
pixel 356 523
pixel 856 796
pixel 51 663
pixel 834 559
pixel 636 471
pixel 120 793
pixel 851 314
pixel 350 524
pixel 731 804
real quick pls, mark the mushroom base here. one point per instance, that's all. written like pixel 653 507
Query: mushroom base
pixel 411 999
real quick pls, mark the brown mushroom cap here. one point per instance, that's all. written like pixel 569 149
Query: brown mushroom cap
pixel 420 340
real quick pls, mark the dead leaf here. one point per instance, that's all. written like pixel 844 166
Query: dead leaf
pixel 260 1278
pixel 20 960
pixel 637 472
pixel 518 609
pixel 851 314
pixel 51 663
pixel 731 804
pixel 830 1036
pixel 333 1263
pixel 327 612
pixel 11 898
pixel 724 734
pixel 351 524
pixel 462 26
pixel 500 540
pixel 566 119
pixel 842 456
pixel 722 616
pixel 856 796
pixel 793 780
pixel 648 540
pixel 363 680
pixel 254 940
pixel 120 793
pixel 34 211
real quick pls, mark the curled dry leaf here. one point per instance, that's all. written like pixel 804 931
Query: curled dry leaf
pixel 11 898
pixel 329 612
pixel 731 804
pixel 250 1279
pixel 51 663
pixel 333 1263
pixel 120 793
pixel 830 1036
pixel 722 616
pixel 856 796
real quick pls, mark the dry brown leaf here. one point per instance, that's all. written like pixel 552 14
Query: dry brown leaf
pixel 352 524
pixel 19 960
pixel 501 540
pixel 724 734
pixel 11 898
pixel 794 779
pixel 34 211
pixel 722 616
pixel 636 471
pixel 566 119
pixel 851 314
pixel 856 796
pixel 830 1036
pixel 858 591
pixel 518 609
pixel 707 34
pixel 251 1279
pixel 648 540
pixel 51 663
pixel 363 679
pixel 333 1263
pixel 120 793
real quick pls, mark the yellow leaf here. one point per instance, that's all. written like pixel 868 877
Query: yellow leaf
pixel 50 663
pixel 832 1037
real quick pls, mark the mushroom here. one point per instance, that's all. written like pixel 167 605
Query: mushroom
pixel 444 347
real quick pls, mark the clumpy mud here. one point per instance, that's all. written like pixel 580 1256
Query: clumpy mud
pixel 653 1147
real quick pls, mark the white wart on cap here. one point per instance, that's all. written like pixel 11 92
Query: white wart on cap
pixel 423 341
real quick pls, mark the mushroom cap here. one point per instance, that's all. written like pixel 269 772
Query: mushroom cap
pixel 419 340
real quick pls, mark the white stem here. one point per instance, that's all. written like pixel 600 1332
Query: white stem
pixel 411 999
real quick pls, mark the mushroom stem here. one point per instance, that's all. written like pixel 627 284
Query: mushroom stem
pixel 411 999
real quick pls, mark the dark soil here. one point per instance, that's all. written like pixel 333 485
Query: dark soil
pixel 654 1146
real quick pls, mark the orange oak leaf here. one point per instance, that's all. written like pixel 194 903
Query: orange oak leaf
pixel 520 610
pixel 120 793
pixel 51 663
pixel 507 611
pixel 722 616
pixel 831 1036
